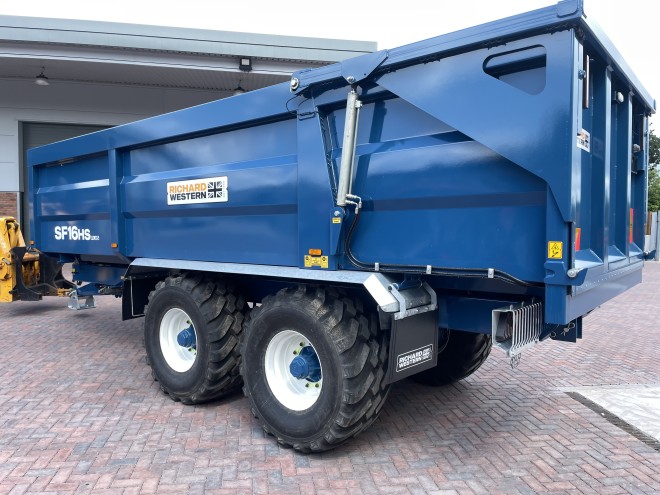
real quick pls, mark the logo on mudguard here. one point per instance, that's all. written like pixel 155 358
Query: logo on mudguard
pixel 413 358
pixel 73 233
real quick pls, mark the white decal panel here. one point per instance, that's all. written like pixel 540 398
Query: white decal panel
pixel 584 141
pixel 186 192
pixel 413 358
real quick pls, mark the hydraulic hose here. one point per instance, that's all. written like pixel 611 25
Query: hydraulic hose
pixel 447 272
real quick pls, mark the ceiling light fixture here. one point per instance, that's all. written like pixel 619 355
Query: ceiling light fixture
pixel 41 79
pixel 245 64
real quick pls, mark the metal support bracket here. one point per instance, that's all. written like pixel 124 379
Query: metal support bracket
pixel 336 222
pixel 357 69
pixel 559 274
pixel 74 301
pixel 413 300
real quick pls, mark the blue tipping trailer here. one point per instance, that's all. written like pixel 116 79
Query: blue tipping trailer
pixel 394 214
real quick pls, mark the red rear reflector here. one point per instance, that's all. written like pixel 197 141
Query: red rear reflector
pixel 632 214
pixel 578 238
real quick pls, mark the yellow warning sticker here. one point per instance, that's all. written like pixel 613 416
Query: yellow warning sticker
pixel 555 250
pixel 336 220
pixel 320 261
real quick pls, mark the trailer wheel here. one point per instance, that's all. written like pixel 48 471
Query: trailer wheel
pixel 192 330
pixel 461 354
pixel 313 367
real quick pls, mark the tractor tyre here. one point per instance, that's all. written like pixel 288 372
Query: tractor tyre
pixel 460 355
pixel 192 331
pixel 313 367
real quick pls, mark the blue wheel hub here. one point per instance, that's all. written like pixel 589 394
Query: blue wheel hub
pixel 186 338
pixel 306 365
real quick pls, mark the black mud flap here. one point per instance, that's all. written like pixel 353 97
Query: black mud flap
pixel 413 345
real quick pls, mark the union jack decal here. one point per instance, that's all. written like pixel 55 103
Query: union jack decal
pixel 215 190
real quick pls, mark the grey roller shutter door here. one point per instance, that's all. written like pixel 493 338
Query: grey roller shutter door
pixel 39 134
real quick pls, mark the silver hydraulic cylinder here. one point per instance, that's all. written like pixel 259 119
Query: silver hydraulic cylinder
pixel 348 148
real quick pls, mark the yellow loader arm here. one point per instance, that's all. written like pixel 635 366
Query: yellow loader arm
pixel 22 272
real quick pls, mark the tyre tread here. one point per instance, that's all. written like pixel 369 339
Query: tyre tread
pixel 363 355
pixel 458 360
pixel 215 299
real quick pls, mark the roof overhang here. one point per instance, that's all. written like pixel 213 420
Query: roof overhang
pixel 114 53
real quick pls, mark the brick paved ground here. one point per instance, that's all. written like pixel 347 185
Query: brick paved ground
pixel 79 413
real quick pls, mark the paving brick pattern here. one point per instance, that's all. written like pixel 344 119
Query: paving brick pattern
pixel 80 414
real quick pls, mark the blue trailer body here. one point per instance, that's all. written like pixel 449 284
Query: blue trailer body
pixel 488 185
pixel 466 158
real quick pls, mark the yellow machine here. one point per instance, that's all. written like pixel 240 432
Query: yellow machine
pixel 32 280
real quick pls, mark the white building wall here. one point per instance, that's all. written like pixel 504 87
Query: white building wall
pixel 78 103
